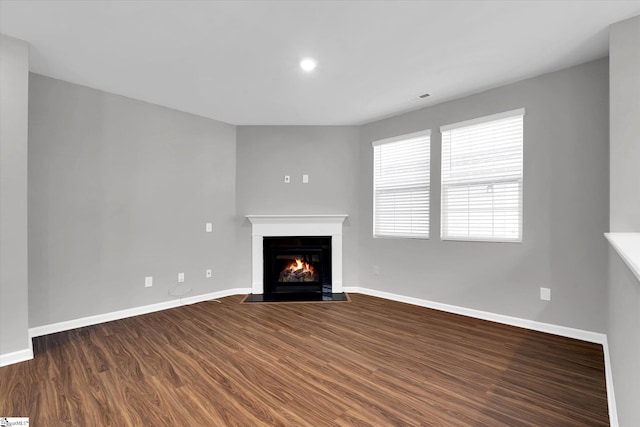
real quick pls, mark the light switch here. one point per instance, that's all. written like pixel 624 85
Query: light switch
pixel 209 227
pixel 287 179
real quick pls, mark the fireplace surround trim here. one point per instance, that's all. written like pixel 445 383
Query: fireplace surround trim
pixel 295 225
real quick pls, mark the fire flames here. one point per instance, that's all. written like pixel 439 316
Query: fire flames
pixel 298 264
pixel 298 271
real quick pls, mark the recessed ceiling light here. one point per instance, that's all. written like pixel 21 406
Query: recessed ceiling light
pixel 308 64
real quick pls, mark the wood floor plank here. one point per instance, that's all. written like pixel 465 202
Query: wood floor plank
pixel 371 362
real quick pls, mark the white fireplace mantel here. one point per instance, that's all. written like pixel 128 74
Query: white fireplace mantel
pixel 295 225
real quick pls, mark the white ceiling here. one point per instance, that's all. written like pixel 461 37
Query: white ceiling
pixel 237 61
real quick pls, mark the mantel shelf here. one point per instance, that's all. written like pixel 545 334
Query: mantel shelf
pixel 281 219
pixel 628 247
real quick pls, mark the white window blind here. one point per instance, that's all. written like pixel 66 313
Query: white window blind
pixel 401 186
pixel 482 178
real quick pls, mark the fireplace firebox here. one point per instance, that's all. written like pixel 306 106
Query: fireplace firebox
pixel 297 265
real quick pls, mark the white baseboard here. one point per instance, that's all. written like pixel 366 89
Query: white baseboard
pixel 563 331
pixel 611 397
pixel 130 312
pixel 17 356
pixel 594 337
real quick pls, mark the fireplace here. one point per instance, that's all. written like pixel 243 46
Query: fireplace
pixel 293 226
pixel 297 264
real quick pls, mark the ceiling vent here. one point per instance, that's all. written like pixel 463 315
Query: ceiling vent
pixel 420 97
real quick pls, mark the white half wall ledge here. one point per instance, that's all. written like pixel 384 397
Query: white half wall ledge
pixel 295 225
pixel 627 245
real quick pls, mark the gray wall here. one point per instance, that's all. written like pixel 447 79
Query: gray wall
pixel 329 155
pixel 624 289
pixel 623 338
pixel 624 87
pixel 565 208
pixel 14 97
pixel 119 190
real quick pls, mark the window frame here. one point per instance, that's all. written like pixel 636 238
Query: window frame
pixel 420 134
pixel 520 112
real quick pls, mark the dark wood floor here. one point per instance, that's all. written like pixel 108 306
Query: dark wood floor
pixel 371 362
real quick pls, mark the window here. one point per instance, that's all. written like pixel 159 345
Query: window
pixel 482 178
pixel 401 186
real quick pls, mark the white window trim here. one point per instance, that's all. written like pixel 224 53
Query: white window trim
pixel 422 133
pixel 402 137
pixel 483 119
pixel 471 122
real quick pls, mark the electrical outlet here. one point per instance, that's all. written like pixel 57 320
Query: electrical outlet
pixel 209 273
pixel 180 277
pixel 208 227
pixel 545 294
pixel 148 281
pixel 305 179
pixel 287 179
